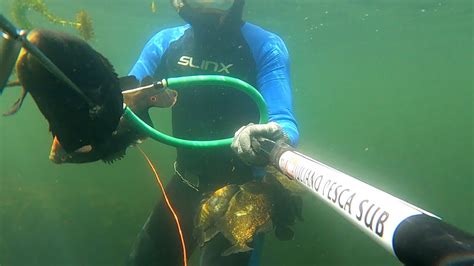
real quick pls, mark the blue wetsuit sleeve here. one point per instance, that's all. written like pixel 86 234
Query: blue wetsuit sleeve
pixel 273 78
pixel 153 51
pixel 274 84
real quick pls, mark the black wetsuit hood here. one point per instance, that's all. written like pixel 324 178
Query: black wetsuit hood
pixel 212 23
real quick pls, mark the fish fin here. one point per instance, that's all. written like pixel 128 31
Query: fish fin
pixel 9 51
pixel 128 83
pixel 210 233
pixel 147 119
pixel 15 83
pixel 298 205
pixel 198 233
pixel 236 249
pixel 107 64
pixel 146 81
pixel 18 103
pixel 268 226
pixel 254 187
pixel 110 159
pixel 203 236
pixel 84 149
pixel 284 233
pixel 57 154
pixel 204 197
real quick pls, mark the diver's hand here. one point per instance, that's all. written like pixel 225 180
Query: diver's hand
pixel 245 146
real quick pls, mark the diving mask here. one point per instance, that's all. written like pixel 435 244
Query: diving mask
pixel 219 5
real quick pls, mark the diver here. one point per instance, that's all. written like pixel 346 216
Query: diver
pixel 215 40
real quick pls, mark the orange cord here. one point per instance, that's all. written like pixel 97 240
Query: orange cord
pixel 170 207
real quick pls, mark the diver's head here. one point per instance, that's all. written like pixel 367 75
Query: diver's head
pixel 212 15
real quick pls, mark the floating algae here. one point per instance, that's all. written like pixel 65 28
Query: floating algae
pixel 83 22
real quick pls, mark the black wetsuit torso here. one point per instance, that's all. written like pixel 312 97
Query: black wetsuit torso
pixel 201 113
pixel 206 113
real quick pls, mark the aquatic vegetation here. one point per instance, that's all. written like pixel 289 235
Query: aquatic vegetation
pixel 20 8
pixel 84 25
pixel 153 6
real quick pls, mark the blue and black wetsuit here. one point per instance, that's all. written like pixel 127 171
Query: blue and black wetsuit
pixel 202 113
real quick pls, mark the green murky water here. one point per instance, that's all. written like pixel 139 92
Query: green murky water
pixel 382 90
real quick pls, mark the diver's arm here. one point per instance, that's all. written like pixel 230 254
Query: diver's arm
pixel 273 82
pixel 153 51
pixel 148 60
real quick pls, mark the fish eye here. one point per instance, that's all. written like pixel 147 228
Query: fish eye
pixel 153 98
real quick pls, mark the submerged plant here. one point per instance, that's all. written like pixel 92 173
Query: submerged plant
pixel 84 25
pixel 20 8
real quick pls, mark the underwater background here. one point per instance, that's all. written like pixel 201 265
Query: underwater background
pixel 383 90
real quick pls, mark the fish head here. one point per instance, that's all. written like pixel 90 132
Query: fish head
pixel 140 100
pixel 163 98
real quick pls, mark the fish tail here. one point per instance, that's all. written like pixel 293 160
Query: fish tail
pixel 17 105
pixel 236 249
pixel 9 52
pixel 15 83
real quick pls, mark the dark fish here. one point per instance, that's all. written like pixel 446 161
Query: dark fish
pixel 139 101
pixel 288 203
pixel 69 117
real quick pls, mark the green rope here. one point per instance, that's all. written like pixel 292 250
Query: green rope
pixel 205 80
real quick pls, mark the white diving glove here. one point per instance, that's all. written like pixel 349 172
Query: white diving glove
pixel 246 146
